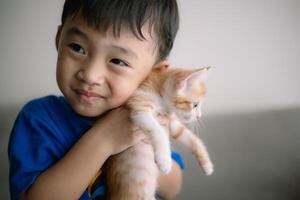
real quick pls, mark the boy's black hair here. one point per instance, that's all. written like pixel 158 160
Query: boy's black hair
pixel 161 16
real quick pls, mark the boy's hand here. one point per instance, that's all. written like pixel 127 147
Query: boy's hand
pixel 117 130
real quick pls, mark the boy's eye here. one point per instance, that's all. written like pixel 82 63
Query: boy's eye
pixel 77 48
pixel 117 61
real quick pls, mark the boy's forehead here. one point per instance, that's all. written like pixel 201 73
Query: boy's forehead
pixel 77 22
pixel 126 31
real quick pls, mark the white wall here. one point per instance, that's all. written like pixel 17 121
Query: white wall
pixel 27 54
pixel 252 45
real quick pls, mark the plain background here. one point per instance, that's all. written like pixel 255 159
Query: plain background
pixel 253 47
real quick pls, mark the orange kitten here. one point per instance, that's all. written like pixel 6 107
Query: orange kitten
pixel 178 94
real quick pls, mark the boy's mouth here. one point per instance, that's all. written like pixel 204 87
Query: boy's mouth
pixel 87 96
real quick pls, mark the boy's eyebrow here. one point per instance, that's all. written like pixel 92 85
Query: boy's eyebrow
pixel 124 50
pixel 75 30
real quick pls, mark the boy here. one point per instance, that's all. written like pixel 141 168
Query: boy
pixel 106 48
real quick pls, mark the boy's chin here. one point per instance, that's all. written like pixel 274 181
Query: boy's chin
pixel 88 112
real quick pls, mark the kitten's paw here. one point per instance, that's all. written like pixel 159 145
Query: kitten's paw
pixel 164 163
pixel 208 168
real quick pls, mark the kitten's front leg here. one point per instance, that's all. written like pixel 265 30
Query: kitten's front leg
pixel 159 138
pixel 179 132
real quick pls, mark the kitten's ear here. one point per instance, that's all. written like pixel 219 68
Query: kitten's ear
pixel 192 78
pixel 200 74
pixel 161 66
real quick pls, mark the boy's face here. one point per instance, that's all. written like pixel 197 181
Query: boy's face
pixel 96 71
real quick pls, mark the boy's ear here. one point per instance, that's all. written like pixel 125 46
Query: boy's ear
pixel 57 38
pixel 161 66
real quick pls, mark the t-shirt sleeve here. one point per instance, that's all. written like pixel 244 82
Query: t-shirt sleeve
pixel 178 159
pixel 30 151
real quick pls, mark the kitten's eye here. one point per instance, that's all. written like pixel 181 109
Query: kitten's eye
pixel 77 48
pixel 195 105
pixel 119 62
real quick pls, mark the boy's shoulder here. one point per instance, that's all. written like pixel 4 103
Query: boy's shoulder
pixel 56 110
pixel 45 105
pixel 35 105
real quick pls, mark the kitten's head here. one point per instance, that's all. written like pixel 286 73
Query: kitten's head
pixel 186 91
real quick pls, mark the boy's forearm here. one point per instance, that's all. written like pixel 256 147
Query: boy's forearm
pixel 70 176
pixel 169 185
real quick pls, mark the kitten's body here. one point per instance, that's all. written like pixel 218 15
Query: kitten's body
pixel 132 175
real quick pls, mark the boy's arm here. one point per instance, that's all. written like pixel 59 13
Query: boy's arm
pixel 169 185
pixel 70 176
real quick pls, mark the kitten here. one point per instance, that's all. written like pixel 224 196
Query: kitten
pixel 177 94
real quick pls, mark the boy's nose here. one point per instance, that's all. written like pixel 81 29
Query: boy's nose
pixel 92 74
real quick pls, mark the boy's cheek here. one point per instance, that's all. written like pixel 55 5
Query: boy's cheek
pixel 121 98
pixel 121 94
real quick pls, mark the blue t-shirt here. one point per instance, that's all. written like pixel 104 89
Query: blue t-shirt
pixel 44 131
